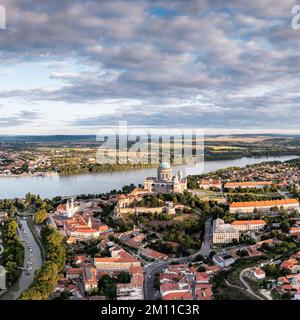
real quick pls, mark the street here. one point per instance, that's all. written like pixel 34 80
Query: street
pixel 34 259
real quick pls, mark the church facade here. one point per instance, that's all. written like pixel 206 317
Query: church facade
pixel 165 182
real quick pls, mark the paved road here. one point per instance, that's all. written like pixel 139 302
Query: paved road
pixel 206 244
pixel 14 292
pixel 284 194
pixel 245 283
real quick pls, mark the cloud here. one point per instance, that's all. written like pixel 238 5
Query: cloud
pixel 214 64
pixel 22 118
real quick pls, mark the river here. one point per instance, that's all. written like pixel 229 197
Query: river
pixel 14 292
pixel 51 186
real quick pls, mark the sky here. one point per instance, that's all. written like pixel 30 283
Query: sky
pixel 72 66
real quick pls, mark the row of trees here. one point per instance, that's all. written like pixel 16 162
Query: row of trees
pixel 47 277
pixel 236 197
pixel 81 167
pixel 13 255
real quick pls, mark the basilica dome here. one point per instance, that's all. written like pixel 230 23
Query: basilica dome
pixel 164 165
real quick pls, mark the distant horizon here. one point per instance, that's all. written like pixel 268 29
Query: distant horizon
pixel 268 133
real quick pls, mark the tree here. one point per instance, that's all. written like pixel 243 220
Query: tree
pixel 242 253
pixel 271 270
pixel 123 277
pixel 201 268
pixel 285 227
pixel 46 278
pixel 40 216
pixel 107 287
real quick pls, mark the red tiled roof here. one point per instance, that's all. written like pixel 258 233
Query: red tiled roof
pixel 122 257
pixel 259 271
pixel 247 184
pixel 202 276
pixel 178 296
pixel 154 254
pixel 248 222
pixel 270 203
pixel 74 271
pixel 85 230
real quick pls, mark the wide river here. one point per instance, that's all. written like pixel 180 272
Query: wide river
pixel 51 186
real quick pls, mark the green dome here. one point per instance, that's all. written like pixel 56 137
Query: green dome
pixel 164 165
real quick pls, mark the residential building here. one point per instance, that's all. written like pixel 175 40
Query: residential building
pixel 202 277
pixel 90 281
pixel 181 295
pixel 73 273
pixel 223 260
pixel 203 292
pixel 259 273
pixel 167 288
pixel 295 231
pixel 291 265
pixel 152 254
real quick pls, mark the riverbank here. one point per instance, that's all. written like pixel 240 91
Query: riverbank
pixel 96 183
pixel 98 169
pixel 38 174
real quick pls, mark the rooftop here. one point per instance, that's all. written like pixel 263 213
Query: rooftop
pixel 270 203
pixel 164 165
pixel 242 222
pixel 247 184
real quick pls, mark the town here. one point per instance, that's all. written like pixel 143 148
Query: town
pixel 70 155
pixel 229 234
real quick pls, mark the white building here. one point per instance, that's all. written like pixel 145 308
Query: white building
pixel 2 278
pixel 223 260
pixel 224 232
pixel 165 182
pixel 70 208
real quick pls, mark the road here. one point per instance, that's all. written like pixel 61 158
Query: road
pixel 206 248
pixel 284 194
pixel 245 283
pixel 14 292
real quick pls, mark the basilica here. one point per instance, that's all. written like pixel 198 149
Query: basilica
pixel 165 182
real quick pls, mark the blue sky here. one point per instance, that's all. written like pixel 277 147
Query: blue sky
pixel 69 67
